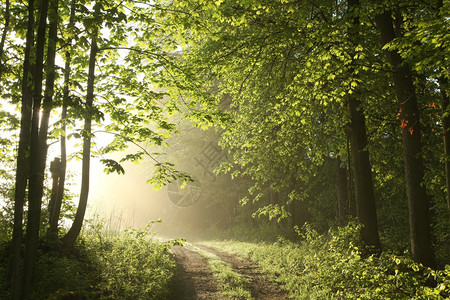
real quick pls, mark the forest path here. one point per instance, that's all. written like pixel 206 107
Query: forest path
pixel 194 279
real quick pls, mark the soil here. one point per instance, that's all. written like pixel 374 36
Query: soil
pixel 194 280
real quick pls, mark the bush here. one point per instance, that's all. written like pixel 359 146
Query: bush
pixel 57 272
pixel 132 265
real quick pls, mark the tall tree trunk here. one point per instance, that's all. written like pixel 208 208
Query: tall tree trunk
pixel 342 193
pixel 364 191
pixel 7 17
pixel 69 239
pixel 49 90
pixel 351 198
pixel 443 86
pixel 55 211
pixel 22 170
pixel 418 201
pixel 443 83
pixel 36 177
pixel 55 169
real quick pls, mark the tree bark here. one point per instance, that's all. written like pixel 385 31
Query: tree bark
pixel 69 239
pixel 36 176
pixel 56 209
pixel 418 201
pixel 342 193
pixel 364 191
pixel 443 83
pixel 55 169
pixel 7 17
pixel 22 170
pixel 351 199
pixel 443 87
pixel 48 96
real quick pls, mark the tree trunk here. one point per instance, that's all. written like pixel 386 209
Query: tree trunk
pixel 56 210
pixel 443 86
pixel 48 98
pixel 69 239
pixel 22 170
pixel 351 199
pixel 418 201
pixel 36 176
pixel 342 193
pixel 7 17
pixel 55 169
pixel 443 83
pixel 364 191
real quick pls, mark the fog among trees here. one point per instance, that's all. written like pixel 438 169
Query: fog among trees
pixel 247 120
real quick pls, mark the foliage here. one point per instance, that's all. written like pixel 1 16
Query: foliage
pixel 102 265
pixel 57 273
pixel 276 76
pixel 133 266
pixel 282 73
pixel 332 266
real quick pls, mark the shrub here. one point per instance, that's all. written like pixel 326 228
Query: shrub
pixel 133 266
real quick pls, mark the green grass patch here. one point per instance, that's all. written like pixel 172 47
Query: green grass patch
pixel 133 265
pixel 103 265
pixel 332 267
pixel 231 284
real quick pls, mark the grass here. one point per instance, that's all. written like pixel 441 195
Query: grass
pixel 332 267
pixel 231 284
pixel 133 266
pixel 103 265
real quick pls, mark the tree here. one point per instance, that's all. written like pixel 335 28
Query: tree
pixel 343 194
pixel 74 231
pixel 443 83
pixel 37 157
pixel 22 170
pixel 137 113
pixel 55 207
pixel 364 191
pixel 7 18
pixel 127 95
pixel 421 246
pixel 281 65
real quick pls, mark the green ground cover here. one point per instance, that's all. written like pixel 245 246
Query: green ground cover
pixel 332 266
pixel 103 265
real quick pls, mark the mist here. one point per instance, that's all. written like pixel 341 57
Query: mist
pixel 185 209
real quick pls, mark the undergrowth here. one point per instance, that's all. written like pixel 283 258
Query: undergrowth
pixel 133 266
pixel 103 265
pixel 332 266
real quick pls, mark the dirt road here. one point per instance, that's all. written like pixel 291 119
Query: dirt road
pixel 194 280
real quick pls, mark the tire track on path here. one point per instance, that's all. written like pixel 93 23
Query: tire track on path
pixel 261 286
pixel 195 280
